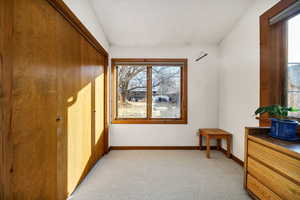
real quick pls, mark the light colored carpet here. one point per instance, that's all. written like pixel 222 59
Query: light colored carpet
pixel 163 175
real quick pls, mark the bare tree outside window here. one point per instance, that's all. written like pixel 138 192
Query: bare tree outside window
pixel 132 91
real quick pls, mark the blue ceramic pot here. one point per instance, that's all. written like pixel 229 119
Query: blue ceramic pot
pixel 284 129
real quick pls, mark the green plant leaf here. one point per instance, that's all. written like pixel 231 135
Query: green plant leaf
pixel 260 110
pixel 276 111
pixel 293 109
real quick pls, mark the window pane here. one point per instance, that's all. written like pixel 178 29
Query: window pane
pixel 132 92
pixel 166 86
pixel 293 79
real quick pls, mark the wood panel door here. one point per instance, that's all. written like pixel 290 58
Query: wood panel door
pixel 52 95
pixel 6 50
pixel 70 126
pixel 34 102
pixel 99 87
pixel 79 121
pixel 81 107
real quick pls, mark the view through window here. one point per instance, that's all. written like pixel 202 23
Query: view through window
pixel 150 91
pixel 132 91
pixel 166 91
pixel 293 72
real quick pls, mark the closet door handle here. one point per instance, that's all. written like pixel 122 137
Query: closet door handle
pixel 58 119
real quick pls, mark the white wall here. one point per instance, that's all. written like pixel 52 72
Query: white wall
pixel 239 75
pixel 223 89
pixel 202 99
pixel 85 12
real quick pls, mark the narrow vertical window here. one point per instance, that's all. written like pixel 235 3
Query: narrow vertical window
pixel 293 71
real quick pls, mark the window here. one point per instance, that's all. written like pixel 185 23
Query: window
pixel 293 71
pixel 150 91
pixel 279 57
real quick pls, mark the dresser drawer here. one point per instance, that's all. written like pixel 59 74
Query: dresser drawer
pixel 281 162
pixel 261 191
pixel 277 183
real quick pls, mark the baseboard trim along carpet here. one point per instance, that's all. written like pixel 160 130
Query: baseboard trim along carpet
pixel 155 148
pixel 234 158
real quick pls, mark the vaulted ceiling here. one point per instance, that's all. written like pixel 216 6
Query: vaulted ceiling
pixel 168 22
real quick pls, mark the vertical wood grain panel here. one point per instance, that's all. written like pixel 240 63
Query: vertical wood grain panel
pixel 53 103
pixel 6 51
pixel 34 102
pixel 69 78
pixel 80 138
pixel 100 113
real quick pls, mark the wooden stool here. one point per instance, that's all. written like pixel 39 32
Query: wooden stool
pixel 218 134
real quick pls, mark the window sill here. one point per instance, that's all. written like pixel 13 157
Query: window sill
pixel 147 121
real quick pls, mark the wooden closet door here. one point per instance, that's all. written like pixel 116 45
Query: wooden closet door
pixel 52 71
pixel 70 126
pixel 6 50
pixel 80 135
pixel 99 114
pixel 34 102
pixel 81 105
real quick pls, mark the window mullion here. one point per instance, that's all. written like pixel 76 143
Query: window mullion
pixel 149 92
pixel 116 95
pixel 182 90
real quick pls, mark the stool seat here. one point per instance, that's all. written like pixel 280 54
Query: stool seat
pixel 214 131
pixel 217 134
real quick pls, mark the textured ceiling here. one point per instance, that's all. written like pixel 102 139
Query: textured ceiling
pixel 168 22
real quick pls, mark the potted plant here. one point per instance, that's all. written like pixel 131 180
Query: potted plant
pixel 281 126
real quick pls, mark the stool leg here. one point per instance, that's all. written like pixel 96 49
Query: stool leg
pixel 200 141
pixel 228 146
pixel 219 143
pixel 207 146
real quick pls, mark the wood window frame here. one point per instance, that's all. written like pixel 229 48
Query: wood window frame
pixel 273 58
pixel 149 120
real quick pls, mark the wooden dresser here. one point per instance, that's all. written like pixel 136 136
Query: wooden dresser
pixel 272 166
